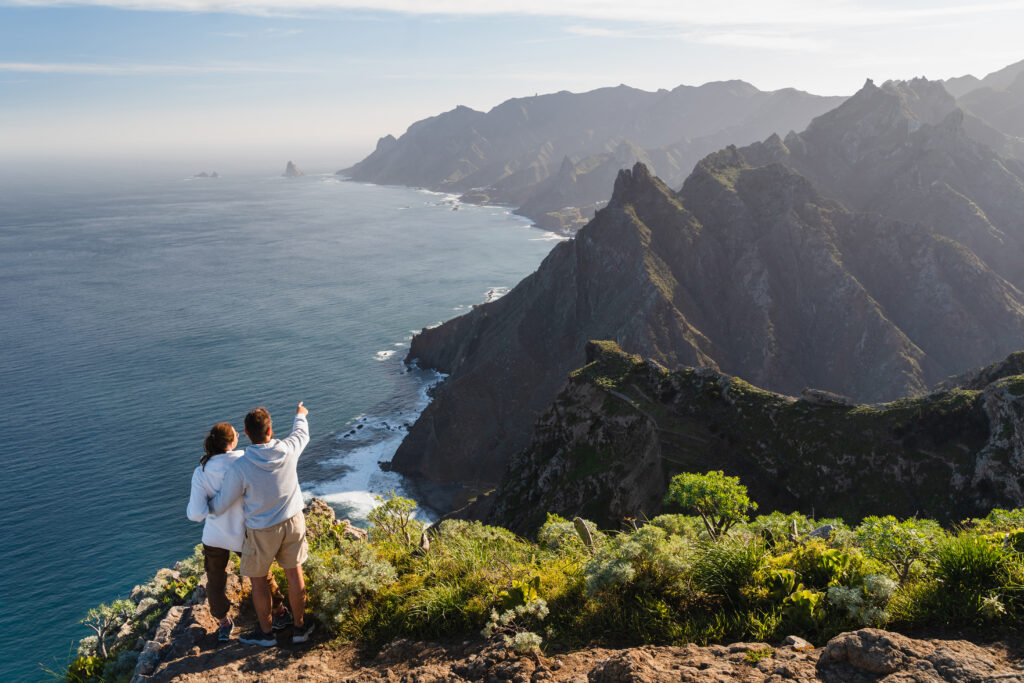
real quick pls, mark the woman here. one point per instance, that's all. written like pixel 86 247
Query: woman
pixel 224 532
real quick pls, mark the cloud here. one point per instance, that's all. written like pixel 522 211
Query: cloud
pixel 821 13
pixel 73 68
pixel 765 40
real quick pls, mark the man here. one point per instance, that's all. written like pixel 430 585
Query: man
pixel 275 528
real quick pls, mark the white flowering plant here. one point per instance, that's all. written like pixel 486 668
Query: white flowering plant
pixel 512 626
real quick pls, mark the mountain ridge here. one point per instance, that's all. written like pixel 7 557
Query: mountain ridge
pixel 754 270
pixel 508 154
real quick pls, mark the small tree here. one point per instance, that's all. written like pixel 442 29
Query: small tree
pixel 393 521
pixel 105 620
pixel 898 544
pixel 720 501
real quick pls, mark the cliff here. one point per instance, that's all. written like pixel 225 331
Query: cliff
pixel 515 153
pixel 873 255
pixel 622 427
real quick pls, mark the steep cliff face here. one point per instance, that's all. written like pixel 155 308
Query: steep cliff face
pixel 869 256
pixel 764 279
pixel 509 154
pixel 622 427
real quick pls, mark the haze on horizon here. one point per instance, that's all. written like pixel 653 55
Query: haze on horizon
pixel 319 81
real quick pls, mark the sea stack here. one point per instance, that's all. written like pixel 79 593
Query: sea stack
pixel 292 171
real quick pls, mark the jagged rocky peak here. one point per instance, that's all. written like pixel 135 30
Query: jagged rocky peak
pixel 634 183
pixel 894 110
pixel 292 171
pixel 386 143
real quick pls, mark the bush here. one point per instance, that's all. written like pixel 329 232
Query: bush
pixel 999 520
pixel 514 625
pixel 865 605
pixel 729 567
pixel 898 545
pixel 393 525
pixel 560 535
pixel 687 526
pixel 720 501
pixel 648 558
pixel 338 581
pixel 85 669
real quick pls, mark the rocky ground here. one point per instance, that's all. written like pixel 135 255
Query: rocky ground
pixel 189 652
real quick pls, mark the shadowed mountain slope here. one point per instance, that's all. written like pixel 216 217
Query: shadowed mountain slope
pixel 622 427
pixel 749 270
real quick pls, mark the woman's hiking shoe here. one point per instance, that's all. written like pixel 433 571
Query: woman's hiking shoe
pixel 257 637
pixel 300 634
pixel 282 621
pixel 224 632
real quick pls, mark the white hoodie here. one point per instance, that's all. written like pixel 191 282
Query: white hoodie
pixel 227 529
pixel 265 479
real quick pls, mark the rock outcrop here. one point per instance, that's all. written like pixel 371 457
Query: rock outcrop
pixel 516 153
pixel 292 171
pixel 865 656
pixel 613 438
pixel 872 256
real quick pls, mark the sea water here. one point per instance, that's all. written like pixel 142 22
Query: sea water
pixel 138 310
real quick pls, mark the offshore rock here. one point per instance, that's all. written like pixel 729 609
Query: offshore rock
pixel 292 171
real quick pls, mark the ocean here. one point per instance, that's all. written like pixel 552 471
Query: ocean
pixel 138 309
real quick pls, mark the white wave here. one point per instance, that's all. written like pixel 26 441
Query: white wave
pixel 384 355
pixel 357 488
pixel 549 237
pixel 495 293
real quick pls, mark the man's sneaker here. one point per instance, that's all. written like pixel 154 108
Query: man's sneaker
pixel 282 621
pixel 224 632
pixel 257 637
pixel 300 634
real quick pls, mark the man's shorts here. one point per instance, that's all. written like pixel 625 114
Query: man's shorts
pixel 285 542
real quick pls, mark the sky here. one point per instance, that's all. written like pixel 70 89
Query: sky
pixel 319 81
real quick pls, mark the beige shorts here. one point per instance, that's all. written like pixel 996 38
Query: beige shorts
pixel 284 542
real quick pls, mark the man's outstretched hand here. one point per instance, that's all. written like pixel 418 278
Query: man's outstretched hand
pixel 301 410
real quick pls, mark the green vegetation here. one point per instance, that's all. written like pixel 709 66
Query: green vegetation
pixel 109 654
pixel 676 579
pixel 720 501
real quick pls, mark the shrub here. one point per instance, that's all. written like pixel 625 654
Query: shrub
pixel 687 526
pixel 999 520
pixel 393 523
pixel 559 534
pixel 803 609
pixel 821 567
pixel 720 501
pixel 898 545
pixel 512 625
pixel 337 581
pixel 648 558
pixel 776 528
pixel 105 620
pixel 729 567
pixel 193 565
pixel 864 605
pixel 970 569
pixel 85 669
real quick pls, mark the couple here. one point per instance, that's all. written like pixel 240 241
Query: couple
pixel 252 505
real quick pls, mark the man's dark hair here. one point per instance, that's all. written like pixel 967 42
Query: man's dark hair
pixel 257 423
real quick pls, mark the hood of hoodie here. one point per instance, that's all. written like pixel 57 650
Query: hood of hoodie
pixel 267 456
